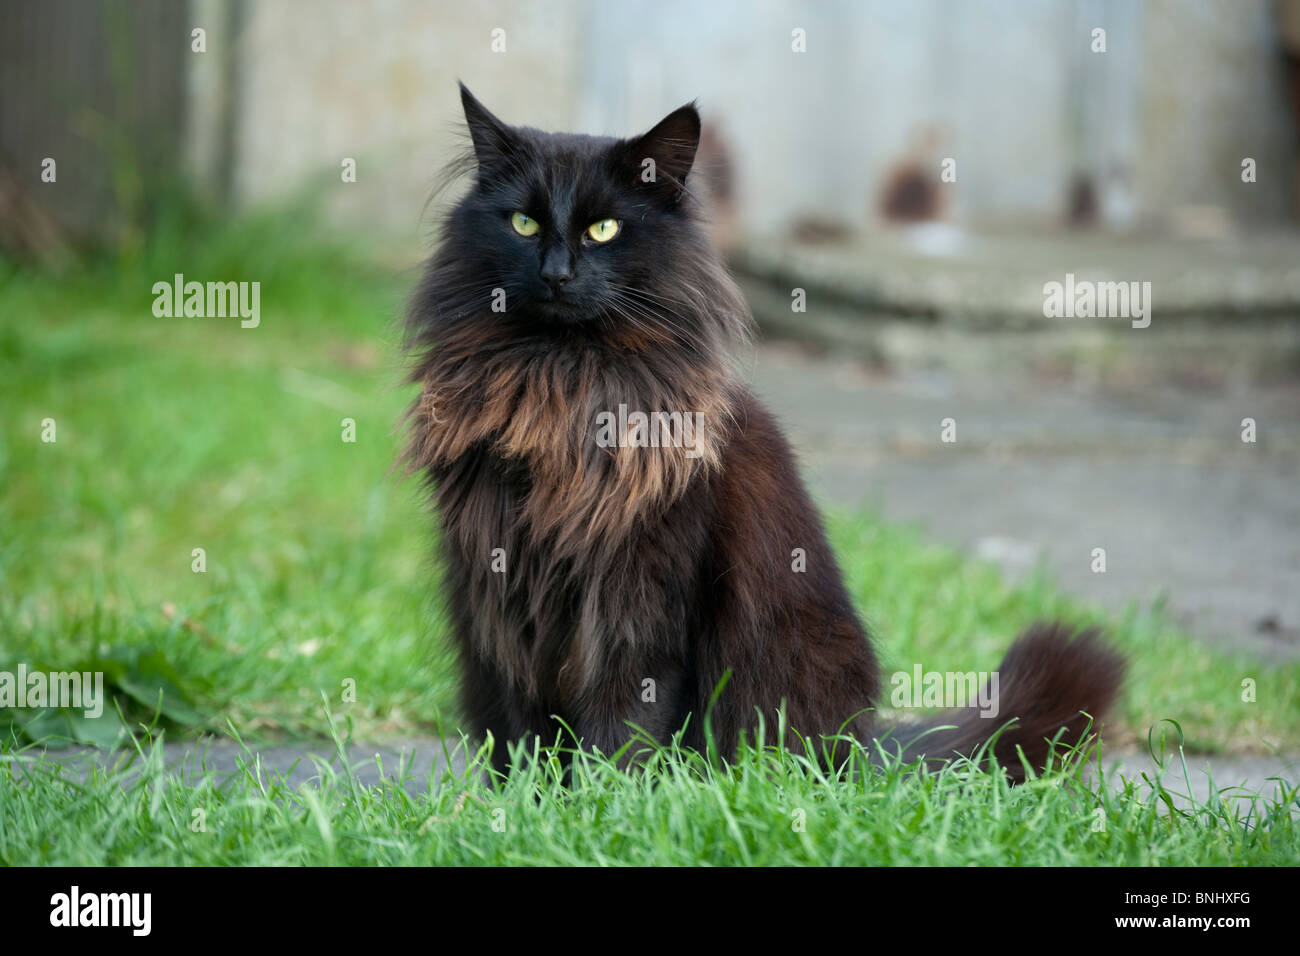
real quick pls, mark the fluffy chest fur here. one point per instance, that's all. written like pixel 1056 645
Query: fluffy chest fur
pixel 566 521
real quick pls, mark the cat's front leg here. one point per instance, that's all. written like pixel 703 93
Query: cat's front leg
pixel 493 707
pixel 638 710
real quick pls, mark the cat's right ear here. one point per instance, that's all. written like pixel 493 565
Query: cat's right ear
pixel 493 139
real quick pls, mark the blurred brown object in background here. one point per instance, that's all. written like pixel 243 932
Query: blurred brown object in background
pixel 718 175
pixel 814 231
pixel 910 191
pixel 27 232
pixel 1083 206
pixel 910 194
pixel 1288 24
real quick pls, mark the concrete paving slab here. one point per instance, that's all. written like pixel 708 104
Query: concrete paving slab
pixel 419 763
pixel 1042 471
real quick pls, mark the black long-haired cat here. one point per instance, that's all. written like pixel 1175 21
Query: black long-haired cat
pixel 620 516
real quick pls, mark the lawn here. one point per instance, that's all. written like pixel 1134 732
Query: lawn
pixel 317 605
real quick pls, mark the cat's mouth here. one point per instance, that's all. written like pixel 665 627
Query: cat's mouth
pixel 561 308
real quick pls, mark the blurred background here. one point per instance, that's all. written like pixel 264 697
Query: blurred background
pixel 833 116
pixel 918 169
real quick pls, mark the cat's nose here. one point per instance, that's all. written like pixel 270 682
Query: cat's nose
pixel 556 268
pixel 556 280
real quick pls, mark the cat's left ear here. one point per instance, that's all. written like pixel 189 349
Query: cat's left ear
pixel 662 158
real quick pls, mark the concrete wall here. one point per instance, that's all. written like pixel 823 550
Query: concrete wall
pixel 1012 91
pixel 318 81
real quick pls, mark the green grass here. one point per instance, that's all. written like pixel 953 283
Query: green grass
pixel 176 434
pixel 770 807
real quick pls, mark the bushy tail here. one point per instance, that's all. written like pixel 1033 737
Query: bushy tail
pixel 1051 680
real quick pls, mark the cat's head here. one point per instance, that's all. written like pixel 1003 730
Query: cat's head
pixel 565 232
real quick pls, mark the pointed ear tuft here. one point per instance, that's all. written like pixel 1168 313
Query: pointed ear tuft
pixel 662 158
pixel 493 139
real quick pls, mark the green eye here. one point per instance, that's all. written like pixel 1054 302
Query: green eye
pixel 604 230
pixel 524 225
